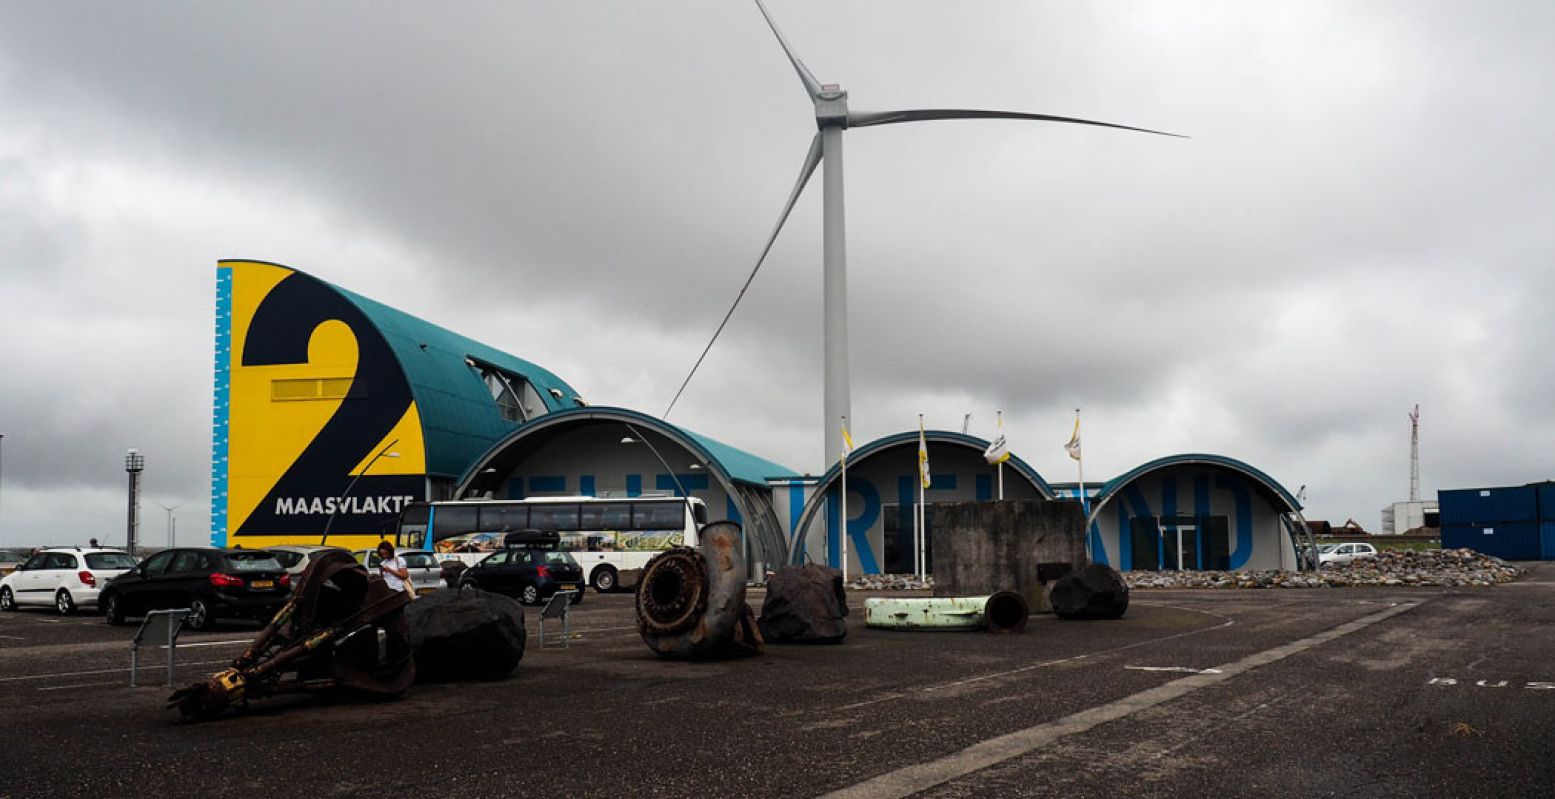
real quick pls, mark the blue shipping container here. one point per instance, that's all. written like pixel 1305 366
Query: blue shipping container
pixel 1489 505
pixel 1547 540
pixel 1508 541
pixel 1547 507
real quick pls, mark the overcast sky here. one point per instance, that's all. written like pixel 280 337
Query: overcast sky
pixel 1361 221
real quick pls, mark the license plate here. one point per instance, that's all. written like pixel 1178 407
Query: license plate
pixel 263 584
pixel 569 587
pixel 424 591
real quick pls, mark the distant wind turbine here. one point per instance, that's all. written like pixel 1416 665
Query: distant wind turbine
pixel 832 117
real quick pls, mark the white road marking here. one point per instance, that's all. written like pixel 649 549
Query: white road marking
pixel 210 643
pixel 923 776
pixel 1182 669
pixel 1226 623
pixel 81 685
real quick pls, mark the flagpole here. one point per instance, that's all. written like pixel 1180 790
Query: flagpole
pixel 923 533
pixel 1085 502
pixel 1001 463
pixel 844 533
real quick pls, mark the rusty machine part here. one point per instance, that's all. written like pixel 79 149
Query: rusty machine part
pixel 691 602
pixel 340 630
pixel 1002 612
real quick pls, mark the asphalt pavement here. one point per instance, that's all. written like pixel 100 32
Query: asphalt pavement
pixel 1328 692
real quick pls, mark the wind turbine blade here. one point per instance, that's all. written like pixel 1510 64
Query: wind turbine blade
pixel 863 119
pixel 811 161
pixel 812 86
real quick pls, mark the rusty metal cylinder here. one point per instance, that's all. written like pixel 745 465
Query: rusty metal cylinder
pixel 691 602
pixel 1002 612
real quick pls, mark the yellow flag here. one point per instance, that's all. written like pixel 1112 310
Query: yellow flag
pixel 923 456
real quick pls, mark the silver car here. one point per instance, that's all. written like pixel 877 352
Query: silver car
pixel 296 558
pixel 426 574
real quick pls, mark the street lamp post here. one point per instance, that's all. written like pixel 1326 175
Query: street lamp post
pixel 340 500
pixel 134 464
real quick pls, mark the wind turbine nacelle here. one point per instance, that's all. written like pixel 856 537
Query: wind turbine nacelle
pixel 831 106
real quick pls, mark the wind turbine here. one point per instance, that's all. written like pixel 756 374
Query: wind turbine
pixel 832 117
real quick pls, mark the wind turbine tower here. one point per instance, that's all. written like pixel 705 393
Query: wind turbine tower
pixel 1414 454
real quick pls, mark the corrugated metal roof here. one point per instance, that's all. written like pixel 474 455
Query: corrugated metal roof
pixel 739 465
pixel 1271 485
pixel 458 417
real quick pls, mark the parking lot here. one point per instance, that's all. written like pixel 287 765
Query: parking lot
pixel 1374 692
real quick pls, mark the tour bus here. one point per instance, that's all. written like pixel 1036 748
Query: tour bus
pixel 607 535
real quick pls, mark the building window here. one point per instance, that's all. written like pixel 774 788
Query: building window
pixel 517 400
pixel 310 389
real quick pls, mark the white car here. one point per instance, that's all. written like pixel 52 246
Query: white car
pixel 297 558
pixel 65 577
pixel 426 573
pixel 1344 553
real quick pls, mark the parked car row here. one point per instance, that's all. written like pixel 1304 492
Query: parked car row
pixel 216 583
pixel 65 578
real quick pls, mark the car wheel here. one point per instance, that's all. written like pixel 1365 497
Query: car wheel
pixel 605 580
pixel 468 584
pixel 113 609
pixel 200 616
pixel 7 600
pixel 531 595
pixel 64 603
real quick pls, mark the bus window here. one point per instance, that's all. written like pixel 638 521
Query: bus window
pixel 414 513
pixel 553 517
pixel 607 516
pixel 699 513
pixel 497 518
pixel 454 520
pixel 659 516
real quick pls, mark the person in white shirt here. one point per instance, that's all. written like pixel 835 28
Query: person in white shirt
pixel 395 572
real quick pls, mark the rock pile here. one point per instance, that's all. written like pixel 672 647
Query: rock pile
pixel 1445 567
pixel 889 582
pixel 1440 567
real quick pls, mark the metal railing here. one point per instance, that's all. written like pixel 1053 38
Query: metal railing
pixel 159 625
pixel 557 608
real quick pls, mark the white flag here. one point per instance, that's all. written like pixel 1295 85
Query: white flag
pixel 998 451
pixel 1073 446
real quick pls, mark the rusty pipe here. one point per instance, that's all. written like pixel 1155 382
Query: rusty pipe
pixel 1002 612
pixel 691 602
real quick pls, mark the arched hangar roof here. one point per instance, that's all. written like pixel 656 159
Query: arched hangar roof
pixel 459 420
pixel 735 465
pixel 1266 485
pixel 742 475
pixel 863 453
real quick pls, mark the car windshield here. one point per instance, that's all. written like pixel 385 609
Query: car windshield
pixel 1327 548
pixel 560 559
pixel 420 560
pixel 109 560
pixel 253 561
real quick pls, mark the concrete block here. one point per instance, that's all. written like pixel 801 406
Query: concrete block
pixel 1015 545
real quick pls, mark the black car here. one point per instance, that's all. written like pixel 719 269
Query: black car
pixel 529 568
pixel 211 583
